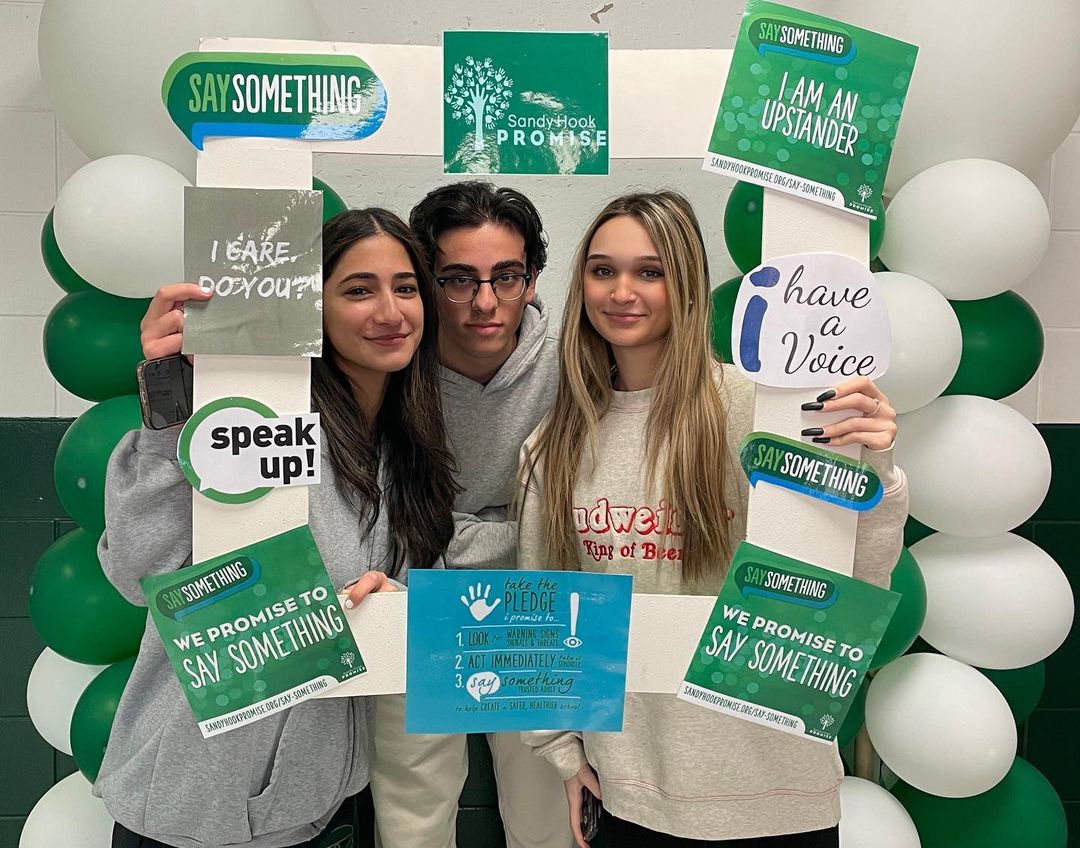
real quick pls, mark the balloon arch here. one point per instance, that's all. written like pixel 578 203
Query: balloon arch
pixel 960 234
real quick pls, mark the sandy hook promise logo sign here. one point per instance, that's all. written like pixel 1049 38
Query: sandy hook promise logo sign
pixel 525 102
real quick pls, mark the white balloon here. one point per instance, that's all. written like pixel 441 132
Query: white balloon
pixel 70 816
pixel 975 467
pixel 940 725
pixel 971 228
pixel 926 341
pixel 1011 94
pixel 870 817
pixel 52 691
pixel 994 602
pixel 119 221
pixel 103 64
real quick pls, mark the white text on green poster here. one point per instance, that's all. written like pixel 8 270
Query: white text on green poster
pixel 787 644
pixel 810 107
pixel 254 631
pixel 525 102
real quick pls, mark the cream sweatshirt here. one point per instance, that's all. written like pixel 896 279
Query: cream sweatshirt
pixel 675 767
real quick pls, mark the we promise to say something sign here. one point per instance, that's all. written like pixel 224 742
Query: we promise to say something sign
pixel 254 631
pixel 236 449
pixel 810 320
pixel 516 650
pixel 787 644
pixel 260 252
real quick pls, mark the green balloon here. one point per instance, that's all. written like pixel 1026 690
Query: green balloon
pixel 92 721
pixel 856 717
pixel 83 457
pixel 1002 346
pixel 92 344
pixel 908 619
pixel 723 308
pixel 75 609
pixel 1023 809
pixel 921 646
pixel 915 531
pixel 58 267
pixel 742 226
pixel 332 204
pixel 1022 687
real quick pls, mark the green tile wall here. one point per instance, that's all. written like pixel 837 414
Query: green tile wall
pixel 31 518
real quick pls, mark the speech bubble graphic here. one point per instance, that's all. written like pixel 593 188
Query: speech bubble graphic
pixel 482 684
pixel 810 470
pixel 273 95
pixel 236 449
pixel 810 320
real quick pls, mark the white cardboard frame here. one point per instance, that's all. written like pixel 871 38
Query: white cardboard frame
pixel 682 89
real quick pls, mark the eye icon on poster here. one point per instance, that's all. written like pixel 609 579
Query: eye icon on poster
pixel 572 641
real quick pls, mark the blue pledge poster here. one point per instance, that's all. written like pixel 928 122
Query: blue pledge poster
pixel 516 650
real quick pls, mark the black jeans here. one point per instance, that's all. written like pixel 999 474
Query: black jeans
pixel 353 826
pixel 623 834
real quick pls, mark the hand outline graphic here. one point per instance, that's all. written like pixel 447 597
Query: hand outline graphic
pixel 477 602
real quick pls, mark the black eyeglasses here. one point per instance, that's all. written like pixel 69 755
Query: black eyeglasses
pixel 509 286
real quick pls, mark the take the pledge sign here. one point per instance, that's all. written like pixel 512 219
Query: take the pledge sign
pixel 810 320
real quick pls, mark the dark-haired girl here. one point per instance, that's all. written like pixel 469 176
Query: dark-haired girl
pixel 289 777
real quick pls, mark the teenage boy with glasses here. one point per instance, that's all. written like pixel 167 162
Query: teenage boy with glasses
pixel 499 368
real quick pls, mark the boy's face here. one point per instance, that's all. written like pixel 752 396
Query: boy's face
pixel 477 338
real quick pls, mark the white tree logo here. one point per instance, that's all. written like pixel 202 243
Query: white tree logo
pixel 478 92
pixel 348 659
pixel 826 721
pixel 864 192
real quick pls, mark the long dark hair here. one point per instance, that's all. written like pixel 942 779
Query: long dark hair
pixel 408 430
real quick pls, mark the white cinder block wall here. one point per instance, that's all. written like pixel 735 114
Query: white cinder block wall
pixel 36 157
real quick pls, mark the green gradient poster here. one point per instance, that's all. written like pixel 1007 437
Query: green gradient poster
pixel 788 644
pixel 254 631
pixel 525 102
pixel 810 107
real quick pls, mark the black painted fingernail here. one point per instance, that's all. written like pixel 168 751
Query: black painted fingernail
pixel 812 406
pixel 821 440
pixel 813 431
pixel 828 394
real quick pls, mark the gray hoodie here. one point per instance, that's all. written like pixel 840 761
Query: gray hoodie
pixel 273 783
pixel 486 426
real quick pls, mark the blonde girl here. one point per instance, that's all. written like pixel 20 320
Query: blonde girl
pixel 646 422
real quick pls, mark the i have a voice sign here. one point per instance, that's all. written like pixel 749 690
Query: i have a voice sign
pixel 516 650
pixel 235 450
pixel 810 320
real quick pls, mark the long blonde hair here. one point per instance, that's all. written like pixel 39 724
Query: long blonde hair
pixel 685 428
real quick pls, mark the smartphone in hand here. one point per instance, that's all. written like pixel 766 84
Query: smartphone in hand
pixel 591 809
pixel 165 391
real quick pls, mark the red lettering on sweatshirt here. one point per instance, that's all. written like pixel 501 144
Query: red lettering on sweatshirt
pixel 640 520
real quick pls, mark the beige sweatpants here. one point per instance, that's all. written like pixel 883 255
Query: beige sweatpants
pixel 416 782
